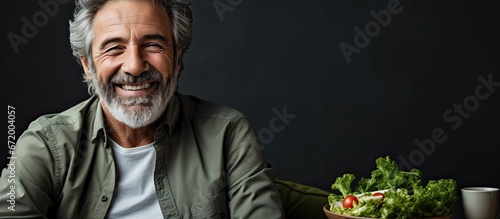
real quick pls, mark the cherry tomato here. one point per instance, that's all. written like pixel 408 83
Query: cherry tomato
pixel 379 194
pixel 349 201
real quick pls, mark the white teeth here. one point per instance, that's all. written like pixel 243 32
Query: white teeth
pixel 136 87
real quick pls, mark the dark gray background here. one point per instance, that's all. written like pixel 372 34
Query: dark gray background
pixel 267 55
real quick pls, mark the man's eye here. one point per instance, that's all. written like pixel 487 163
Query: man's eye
pixel 113 50
pixel 153 46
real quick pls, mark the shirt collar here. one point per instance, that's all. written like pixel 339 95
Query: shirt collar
pixel 98 120
pixel 171 114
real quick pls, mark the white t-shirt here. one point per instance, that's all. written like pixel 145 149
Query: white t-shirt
pixel 135 193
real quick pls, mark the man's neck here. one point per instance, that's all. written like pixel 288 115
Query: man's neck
pixel 126 136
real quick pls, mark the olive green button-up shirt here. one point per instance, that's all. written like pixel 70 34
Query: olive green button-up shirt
pixel 209 164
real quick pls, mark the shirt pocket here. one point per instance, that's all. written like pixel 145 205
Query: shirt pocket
pixel 213 207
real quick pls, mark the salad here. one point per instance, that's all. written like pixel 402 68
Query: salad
pixel 393 193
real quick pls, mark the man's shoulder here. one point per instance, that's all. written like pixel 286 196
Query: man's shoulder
pixel 69 116
pixel 202 108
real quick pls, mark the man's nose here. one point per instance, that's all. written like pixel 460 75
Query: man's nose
pixel 134 62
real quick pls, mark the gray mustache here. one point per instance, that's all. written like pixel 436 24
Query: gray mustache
pixel 126 78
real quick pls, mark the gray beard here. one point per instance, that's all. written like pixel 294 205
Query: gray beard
pixel 136 112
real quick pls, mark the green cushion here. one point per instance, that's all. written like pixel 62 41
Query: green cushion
pixel 301 201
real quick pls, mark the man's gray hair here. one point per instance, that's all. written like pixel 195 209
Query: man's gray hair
pixel 81 33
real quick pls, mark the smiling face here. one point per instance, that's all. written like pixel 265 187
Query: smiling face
pixel 133 66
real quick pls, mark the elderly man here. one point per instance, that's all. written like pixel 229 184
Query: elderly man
pixel 137 148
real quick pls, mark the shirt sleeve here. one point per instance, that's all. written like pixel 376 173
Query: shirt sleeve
pixel 27 181
pixel 251 189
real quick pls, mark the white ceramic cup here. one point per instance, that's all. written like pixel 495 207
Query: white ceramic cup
pixel 480 202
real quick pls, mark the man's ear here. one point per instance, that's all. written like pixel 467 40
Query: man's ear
pixel 85 64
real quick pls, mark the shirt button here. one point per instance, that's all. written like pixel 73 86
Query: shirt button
pixel 222 215
pixel 104 198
